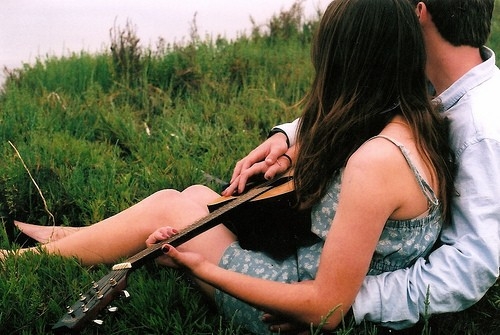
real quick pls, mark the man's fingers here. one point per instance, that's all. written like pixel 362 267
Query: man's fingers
pixel 276 169
pixel 275 153
pixel 236 171
pixel 239 182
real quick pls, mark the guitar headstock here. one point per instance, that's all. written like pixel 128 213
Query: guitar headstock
pixel 95 300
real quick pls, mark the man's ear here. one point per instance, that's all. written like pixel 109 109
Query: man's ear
pixel 421 11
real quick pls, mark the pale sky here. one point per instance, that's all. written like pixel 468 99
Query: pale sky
pixel 31 29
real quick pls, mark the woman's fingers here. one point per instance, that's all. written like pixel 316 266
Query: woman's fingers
pixel 160 234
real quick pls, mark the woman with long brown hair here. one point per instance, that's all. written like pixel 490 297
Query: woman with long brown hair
pixel 373 164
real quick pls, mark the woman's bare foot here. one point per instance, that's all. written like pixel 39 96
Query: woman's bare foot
pixel 45 234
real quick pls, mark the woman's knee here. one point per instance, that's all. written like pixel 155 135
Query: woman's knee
pixel 200 194
pixel 158 204
pixel 165 196
pixel 173 208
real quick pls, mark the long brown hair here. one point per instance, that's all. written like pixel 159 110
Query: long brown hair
pixel 369 62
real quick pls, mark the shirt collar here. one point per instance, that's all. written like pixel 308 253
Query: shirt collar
pixel 475 77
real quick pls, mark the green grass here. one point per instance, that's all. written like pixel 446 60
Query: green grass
pixel 100 132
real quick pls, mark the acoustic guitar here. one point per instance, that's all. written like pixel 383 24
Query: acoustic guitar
pixel 264 219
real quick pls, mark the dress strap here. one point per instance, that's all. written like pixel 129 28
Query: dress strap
pixel 426 189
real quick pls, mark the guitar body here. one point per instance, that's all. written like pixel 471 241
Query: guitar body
pixel 271 222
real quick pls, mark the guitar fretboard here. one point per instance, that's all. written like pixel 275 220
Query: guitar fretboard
pixel 199 226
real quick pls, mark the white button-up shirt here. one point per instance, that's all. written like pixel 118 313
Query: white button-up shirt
pixel 466 265
pixel 458 273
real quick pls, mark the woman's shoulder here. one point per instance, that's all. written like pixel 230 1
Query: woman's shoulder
pixel 380 164
pixel 377 152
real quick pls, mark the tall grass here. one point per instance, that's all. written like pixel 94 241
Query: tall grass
pixel 99 132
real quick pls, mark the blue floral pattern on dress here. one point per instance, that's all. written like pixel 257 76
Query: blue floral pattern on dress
pixel 401 243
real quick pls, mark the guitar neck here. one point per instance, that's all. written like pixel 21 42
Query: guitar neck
pixel 198 227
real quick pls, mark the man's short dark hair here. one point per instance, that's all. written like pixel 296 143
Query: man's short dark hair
pixel 462 22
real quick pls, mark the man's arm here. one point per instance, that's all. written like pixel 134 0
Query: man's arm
pixel 289 129
pixel 458 273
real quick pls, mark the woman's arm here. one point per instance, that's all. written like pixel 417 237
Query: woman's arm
pixel 368 197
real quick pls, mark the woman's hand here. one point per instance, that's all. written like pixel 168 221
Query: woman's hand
pixel 190 261
pixel 172 257
pixel 161 234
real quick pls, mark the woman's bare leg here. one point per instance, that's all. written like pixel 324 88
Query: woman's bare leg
pixel 124 234
pixel 46 234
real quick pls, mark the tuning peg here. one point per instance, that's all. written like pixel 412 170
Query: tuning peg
pixel 82 297
pixel 112 309
pixel 125 294
pixel 84 308
pixel 70 311
pixel 98 322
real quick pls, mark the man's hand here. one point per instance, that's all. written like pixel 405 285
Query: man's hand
pixel 266 159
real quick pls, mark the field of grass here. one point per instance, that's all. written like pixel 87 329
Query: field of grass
pixel 85 136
